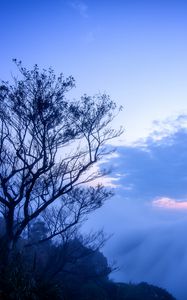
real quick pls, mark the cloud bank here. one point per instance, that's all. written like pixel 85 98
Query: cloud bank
pixel 148 215
pixel 155 167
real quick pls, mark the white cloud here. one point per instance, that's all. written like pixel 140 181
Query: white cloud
pixel 81 7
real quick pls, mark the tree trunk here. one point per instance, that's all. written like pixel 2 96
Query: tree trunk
pixel 7 241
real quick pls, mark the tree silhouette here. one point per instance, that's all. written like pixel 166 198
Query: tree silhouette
pixel 47 146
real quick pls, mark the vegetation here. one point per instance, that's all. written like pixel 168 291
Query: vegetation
pixel 72 270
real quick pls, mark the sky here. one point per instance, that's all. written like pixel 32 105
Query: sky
pixel 135 51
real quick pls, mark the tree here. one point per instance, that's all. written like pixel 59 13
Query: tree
pixel 47 148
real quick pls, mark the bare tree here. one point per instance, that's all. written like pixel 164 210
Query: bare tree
pixel 47 146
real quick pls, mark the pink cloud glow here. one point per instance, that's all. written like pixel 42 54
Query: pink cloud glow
pixel 169 203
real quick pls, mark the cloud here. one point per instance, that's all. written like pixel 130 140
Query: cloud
pixel 154 252
pixel 148 244
pixel 168 203
pixel 161 129
pixel 80 7
pixel 155 167
pixel 148 214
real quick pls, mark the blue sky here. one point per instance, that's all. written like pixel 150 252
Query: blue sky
pixel 135 51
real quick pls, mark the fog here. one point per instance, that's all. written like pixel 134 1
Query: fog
pixel 148 244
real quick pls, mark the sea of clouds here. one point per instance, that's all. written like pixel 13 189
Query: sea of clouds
pixel 148 214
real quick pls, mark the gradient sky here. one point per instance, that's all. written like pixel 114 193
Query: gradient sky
pixel 135 51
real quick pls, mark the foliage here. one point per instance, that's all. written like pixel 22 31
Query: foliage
pixel 70 271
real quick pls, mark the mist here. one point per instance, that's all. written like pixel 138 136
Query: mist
pixel 147 244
